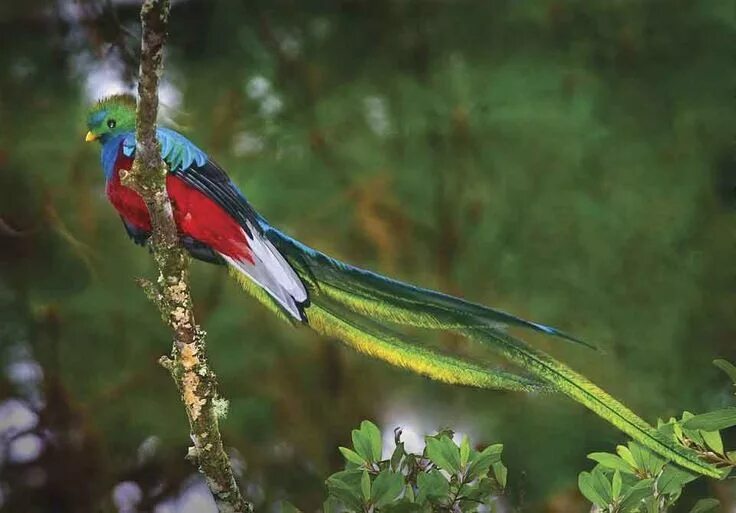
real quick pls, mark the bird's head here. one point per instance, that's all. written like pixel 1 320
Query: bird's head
pixel 111 116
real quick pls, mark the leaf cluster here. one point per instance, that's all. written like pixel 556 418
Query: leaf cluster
pixel 445 477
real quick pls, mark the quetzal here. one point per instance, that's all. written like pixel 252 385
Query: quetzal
pixel 361 308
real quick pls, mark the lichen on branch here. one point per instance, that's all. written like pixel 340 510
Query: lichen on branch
pixel 187 363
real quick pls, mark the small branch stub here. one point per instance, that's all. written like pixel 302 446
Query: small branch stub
pixel 170 293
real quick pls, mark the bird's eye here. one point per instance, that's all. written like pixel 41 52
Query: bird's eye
pixel 111 123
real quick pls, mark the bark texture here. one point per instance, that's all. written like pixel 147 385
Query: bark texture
pixel 187 363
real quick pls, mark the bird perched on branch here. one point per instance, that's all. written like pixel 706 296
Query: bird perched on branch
pixel 363 309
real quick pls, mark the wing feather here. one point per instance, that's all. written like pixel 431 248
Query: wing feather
pixel 268 268
pixel 273 273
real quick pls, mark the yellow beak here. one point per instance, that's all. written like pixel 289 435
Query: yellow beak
pixel 90 137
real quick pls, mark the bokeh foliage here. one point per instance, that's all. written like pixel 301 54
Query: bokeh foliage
pixel 568 161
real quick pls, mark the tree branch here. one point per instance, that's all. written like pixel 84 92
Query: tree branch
pixel 187 363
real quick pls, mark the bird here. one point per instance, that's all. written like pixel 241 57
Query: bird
pixel 366 310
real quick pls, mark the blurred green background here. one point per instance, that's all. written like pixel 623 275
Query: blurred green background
pixel 571 162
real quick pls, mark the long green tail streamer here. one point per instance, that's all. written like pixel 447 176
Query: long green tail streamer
pixel 330 319
pixel 580 389
pixel 353 305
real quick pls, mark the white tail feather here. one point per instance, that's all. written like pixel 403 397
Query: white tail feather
pixel 272 272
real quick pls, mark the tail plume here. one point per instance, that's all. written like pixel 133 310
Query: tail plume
pixel 357 306
pixel 331 319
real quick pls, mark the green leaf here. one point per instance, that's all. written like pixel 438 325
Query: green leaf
pixel 588 489
pixel 432 485
pixel 616 484
pixel 500 472
pixel 473 492
pixel 397 456
pixel 713 441
pixel 386 488
pixel 403 506
pixel 726 367
pixel 706 505
pixel 672 479
pixel 464 451
pixel 410 463
pixel 668 428
pixel 635 495
pixel 602 485
pixel 481 462
pixel 626 455
pixel 331 505
pixel 645 459
pixel 345 486
pixel 352 456
pixel 486 487
pixel 712 421
pixel 367 441
pixel 362 445
pixel 374 437
pixel 444 453
pixel 694 435
pixel 365 486
pixel 677 428
pixel 612 461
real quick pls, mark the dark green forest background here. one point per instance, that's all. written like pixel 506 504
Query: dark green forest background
pixel 571 162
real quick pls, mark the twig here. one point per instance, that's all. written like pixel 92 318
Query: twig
pixel 187 364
